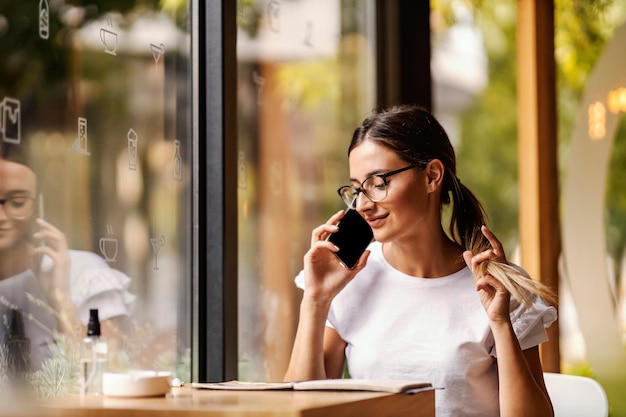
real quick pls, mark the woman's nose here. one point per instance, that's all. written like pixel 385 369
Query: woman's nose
pixel 361 201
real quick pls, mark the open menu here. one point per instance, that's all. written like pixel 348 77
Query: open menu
pixel 344 384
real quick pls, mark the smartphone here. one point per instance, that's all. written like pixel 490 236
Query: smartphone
pixel 352 238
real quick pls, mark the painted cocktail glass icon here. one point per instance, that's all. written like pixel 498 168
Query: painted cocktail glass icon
pixel 157 52
pixel 109 40
pixel 177 161
pixel 80 143
pixel 132 149
pixel 10 120
pixel 44 19
pixel 157 243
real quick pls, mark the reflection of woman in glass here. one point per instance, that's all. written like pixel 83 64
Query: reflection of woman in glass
pixel 424 302
pixel 70 282
pixel 19 288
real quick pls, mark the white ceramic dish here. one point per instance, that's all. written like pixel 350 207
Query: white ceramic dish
pixel 136 383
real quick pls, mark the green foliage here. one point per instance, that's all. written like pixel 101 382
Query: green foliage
pixel 59 374
pixel 487 155
pixel 41 64
pixel 615 221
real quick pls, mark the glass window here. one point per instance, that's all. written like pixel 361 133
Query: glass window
pixel 306 79
pixel 96 139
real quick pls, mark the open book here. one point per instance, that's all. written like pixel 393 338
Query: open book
pixel 346 384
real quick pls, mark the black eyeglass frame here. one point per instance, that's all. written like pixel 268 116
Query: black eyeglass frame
pixel 361 189
pixel 9 200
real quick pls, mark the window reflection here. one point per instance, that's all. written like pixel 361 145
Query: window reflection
pixel 94 113
pixel 305 79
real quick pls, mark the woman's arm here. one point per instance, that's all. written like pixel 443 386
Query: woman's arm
pixel 318 351
pixel 522 389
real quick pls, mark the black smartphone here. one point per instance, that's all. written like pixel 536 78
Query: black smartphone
pixel 352 238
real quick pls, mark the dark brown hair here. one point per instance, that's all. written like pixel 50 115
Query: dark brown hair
pixel 414 134
pixel 14 153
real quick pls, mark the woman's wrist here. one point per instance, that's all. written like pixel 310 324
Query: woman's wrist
pixel 501 325
pixel 316 302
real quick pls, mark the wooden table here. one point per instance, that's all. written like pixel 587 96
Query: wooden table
pixel 187 401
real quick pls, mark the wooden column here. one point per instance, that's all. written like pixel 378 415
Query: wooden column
pixel 537 140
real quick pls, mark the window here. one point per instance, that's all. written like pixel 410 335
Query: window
pixel 97 99
pixel 306 79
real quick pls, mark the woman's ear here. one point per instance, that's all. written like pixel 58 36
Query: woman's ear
pixel 434 174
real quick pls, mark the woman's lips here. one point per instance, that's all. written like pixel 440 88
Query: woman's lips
pixel 376 221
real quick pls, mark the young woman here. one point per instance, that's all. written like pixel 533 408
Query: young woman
pixel 20 290
pixel 424 302
pixel 51 285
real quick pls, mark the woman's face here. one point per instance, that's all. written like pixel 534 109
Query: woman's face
pixel 402 213
pixel 16 182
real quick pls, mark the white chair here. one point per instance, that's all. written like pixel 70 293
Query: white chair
pixel 576 396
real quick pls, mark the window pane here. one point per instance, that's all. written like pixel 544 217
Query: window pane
pixel 306 80
pixel 95 98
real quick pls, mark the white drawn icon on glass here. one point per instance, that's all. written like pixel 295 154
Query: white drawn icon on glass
pixel 109 40
pixel 276 178
pixel 242 179
pixel 132 149
pixel 108 246
pixel 240 9
pixel 80 143
pixel 273 15
pixel 259 81
pixel 157 243
pixel 10 120
pixel 177 168
pixel 309 34
pixel 44 19
pixel 157 52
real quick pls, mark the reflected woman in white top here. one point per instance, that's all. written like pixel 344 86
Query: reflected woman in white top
pixel 52 286
pixel 426 302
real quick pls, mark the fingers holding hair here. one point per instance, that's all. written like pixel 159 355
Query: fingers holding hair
pixel 497 249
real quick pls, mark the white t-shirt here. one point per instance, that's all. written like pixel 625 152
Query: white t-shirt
pixel 22 291
pixel 436 330
pixel 94 284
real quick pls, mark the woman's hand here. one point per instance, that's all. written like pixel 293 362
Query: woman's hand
pixel 494 297
pixel 54 244
pixel 324 276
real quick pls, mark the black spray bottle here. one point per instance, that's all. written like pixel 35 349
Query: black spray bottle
pixel 18 346
pixel 93 357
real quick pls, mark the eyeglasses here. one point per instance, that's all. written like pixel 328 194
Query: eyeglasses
pixel 374 187
pixel 17 207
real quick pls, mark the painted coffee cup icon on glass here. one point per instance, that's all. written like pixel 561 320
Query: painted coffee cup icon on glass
pixel 108 248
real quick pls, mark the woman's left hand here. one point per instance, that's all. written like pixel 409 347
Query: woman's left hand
pixel 54 244
pixel 494 297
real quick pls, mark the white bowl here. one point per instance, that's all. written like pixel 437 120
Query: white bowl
pixel 136 383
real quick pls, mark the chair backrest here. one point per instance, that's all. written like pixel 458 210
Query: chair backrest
pixel 576 396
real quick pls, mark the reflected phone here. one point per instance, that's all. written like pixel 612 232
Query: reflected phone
pixel 352 238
